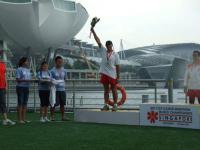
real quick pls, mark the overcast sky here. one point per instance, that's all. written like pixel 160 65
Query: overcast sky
pixel 143 22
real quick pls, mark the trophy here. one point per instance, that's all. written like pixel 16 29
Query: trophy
pixel 94 21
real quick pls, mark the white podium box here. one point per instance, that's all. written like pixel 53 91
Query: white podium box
pixel 170 115
pixel 107 117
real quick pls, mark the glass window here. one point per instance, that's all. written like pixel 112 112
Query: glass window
pixel 65 5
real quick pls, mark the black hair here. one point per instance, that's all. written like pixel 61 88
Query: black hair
pixel 109 43
pixel 196 52
pixel 22 61
pixel 58 57
pixel 43 63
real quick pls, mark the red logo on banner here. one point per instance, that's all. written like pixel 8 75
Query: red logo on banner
pixel 152 116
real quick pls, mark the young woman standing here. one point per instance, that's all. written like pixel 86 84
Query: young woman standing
pixel 23 78
pixel 44 77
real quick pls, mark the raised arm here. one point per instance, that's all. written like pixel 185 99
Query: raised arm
pixel 96 38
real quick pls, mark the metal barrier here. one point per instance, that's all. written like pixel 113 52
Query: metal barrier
pixel 89 93
pixel 145 98
pixel 163 98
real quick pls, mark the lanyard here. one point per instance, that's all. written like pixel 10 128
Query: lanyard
pixel 109 55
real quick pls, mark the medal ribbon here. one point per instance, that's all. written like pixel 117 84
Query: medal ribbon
pixel 109 55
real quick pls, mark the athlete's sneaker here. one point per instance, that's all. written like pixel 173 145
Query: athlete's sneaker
pixel 27 121
pixel 22 122
pixel 46 119
pixel 115 107
pixel 8 122
pixel 11 122
pixel 105 108
pixel 42 120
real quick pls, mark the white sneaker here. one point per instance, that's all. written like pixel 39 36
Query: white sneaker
pixel 42 120
pixel 115 107
pixel 8 122
pixel 46 119
pixel 27 121
pixel 11 122
pixel 5 123
pixel 22 122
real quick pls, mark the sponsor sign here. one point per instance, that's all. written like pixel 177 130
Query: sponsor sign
pixel 182 116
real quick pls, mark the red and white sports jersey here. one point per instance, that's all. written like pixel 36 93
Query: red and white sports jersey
pixel 192 76
pixel 2 75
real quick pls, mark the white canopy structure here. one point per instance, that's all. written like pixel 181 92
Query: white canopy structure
pixel 40 24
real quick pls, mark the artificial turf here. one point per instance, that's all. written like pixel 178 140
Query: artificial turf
pixel 84 136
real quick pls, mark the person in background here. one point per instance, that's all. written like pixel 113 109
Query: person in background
pixel 3 88
pixel 44 77
pixel 192 79
pixel 109 69
pixel 59 74
pixel 23 78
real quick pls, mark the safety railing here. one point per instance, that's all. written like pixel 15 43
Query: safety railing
pixel 89 93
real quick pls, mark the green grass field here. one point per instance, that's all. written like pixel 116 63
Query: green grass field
pixel 83 136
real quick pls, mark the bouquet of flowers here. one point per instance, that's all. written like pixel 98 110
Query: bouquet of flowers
pixel 94 21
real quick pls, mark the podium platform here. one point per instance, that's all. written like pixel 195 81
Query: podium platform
pixel 163 115
pixel 107 117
